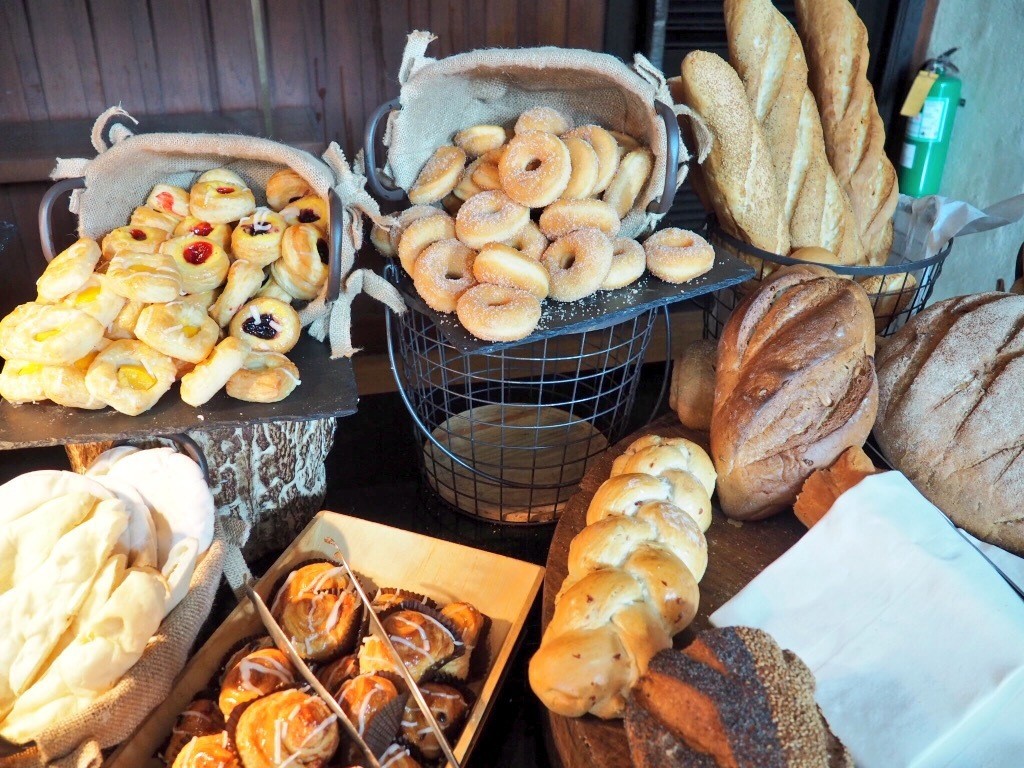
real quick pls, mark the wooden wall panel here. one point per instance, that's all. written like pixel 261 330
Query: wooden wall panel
pixel 68 68
pixel 234 54
pixel 21 53
pixel 126 54
pixel 184 56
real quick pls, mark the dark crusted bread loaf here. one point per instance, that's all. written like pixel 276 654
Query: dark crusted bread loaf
pixel 795 387
pixel 732 698
pixel 951 411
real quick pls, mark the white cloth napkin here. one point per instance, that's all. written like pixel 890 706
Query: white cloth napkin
pixel 916 642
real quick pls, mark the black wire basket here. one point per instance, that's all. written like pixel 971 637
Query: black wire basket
pixel 898 290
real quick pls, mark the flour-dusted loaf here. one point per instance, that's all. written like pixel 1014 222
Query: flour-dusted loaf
pixel 836 43
pixel 737 177
pixel 951 411
pixel 795 387
pixel 693 385
pixel 766 53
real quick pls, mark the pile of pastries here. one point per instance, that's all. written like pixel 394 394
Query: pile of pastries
pixel 90 565
pixel 529 215
pixel 197 287
pixel 260 713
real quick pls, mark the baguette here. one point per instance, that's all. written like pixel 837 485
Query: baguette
pixel 836 44
pixel 738 175
pixel 766 53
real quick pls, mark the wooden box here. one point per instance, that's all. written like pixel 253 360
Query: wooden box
pixel 502 588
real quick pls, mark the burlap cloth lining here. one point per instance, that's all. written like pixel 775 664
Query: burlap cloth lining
pixel 494 86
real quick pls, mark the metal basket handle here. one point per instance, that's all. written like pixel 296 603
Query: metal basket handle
pixel 336 225
pixel 185 445
pixel 668 194
pixel 46 213
pixel 395 194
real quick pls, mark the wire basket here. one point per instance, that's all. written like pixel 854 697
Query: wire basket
pixel 898 290
pixel 508 434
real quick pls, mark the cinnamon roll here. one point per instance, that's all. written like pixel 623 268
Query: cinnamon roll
pixel 470 623
pixel 398 756
pixel 287 728
pixel 423 644
pixel 449 708
pixel 362 698
pixel 255 675
pixel 200 718
pixel 318 611
pixel 213 751
pixel 334 675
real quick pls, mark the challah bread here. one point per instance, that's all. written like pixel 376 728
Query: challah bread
pixel 766 53
pixel 795 387
pixel 631 583
pixel 836 43
pixel 953 375
pixel 738 176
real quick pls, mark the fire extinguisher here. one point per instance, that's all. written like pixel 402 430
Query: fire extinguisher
pixel 928 131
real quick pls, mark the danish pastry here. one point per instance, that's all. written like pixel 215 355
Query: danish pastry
pixel 529 240
pixel 210 376
pixel 151 278
pixel 286 186
pixel 607 150
pixel 273 290
pixel 257 238
pixel 261 672
pixel 220 202
pixel 497 313
pixel 583 177
pixel 362 698
pixel 180 330
pixel 123 326
pixel 267 325
pixel 677 255
pixel 631 176
pixel 319 612
pixel 578 263
pixel 501 265
pixel 535 168
pixel 490 217
pixel 565 216
pixel 134 239
pixel 398 756
pixel 470 623
pixel 628 264
pixel 222 175
pixel 423 644
pixel 244 279
pixel 286 728
pixel 97 300
pixel 307 210
pixel 421 233
pixel 449 708
pixel 22 382
pixel 48 334
pixel 212 750
pixel 219 233
pixel 302 268
pixel 265 377
pixel 543 119
pixel 443 272
pixel 168 199
pixel 69 270
pixel 204 299
pixel 144 216
pixel 480 139
pixel 130 376
pixel 439 175
pixel 201 263
pixel 65 384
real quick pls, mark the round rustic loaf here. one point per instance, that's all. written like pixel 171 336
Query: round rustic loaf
pixel 795 387
pixel 951 411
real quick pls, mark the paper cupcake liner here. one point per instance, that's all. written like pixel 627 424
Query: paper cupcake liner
pixel 385 726
pixel 454 731
pixel 405 594
pixel 333 674
pixel 479 656
pixel 172 746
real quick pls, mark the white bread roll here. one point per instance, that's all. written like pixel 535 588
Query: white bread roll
pixel 27 492
pixel 138 541
pixel 692 392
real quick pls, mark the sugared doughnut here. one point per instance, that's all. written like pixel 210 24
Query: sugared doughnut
pixel 407 217
pixel 443 272
pixel 626 142
pixel 583 160
pixel 97 299
pixel 69 270
pixel 497 313
pixel 130 376
pixel 494 156
pixel 607 150
pixel 439 175
pixel 22 382
pixel 209 377
pixel 421 233
pixel 479 139
pixel 244 280
pixel 65 384
pixel 630 178
pixel 201 263
pixel 543 119
pixel 466 187
pixel 222 175
pixel 529 240
pixel 265 377
pixel 307 210
pixel 168 199
pixel 273 290
pixel 219 233
pixel 220 202
pixel 144 216
pixel 302 268
pixel 677 255
pixel 490 217
pixel 178 329
pixel 286 186
pixel 267 325
pixel 257 238
pixel 486 176
pixel 535 168
pixel 565 216
pixel 151 278
pixel 502 265
pixel 49 334
pixel 578 263
pixel 628 264
pixel 123 326
pixel 381 239
pixel 135 239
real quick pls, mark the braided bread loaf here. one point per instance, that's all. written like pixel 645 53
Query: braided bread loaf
pixel 632 581
pixel 766 53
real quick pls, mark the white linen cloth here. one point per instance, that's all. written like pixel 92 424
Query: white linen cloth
pixel 917 644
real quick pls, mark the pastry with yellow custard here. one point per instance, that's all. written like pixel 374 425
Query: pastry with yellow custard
pixel 65 384
pixel 49 334
pixel 178 329
pixel 97 299
pixel 68 271
pixel 130 376
pixel 151 278
pixel 22 382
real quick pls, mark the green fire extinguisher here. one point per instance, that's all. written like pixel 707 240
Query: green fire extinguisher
pixel 930 126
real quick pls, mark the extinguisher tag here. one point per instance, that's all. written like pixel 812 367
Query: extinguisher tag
pixel 908 155
pixel 927 125
pixel 918 93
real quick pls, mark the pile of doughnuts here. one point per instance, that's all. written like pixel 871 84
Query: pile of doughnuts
pixel 529 215
pixel 197 287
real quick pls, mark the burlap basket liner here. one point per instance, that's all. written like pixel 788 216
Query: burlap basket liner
pixel 494 86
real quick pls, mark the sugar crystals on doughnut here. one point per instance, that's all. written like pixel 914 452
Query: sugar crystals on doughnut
pixel 490 217
pixel 535 168
pixel 496 313
pixel 443 272
pixel 578 263
pixel 439 175
pixel 678 255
